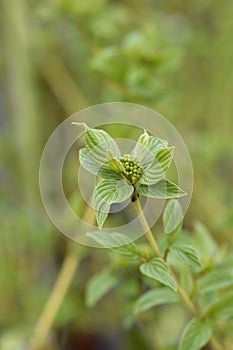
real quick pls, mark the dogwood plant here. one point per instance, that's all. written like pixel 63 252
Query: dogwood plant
pixel 142 172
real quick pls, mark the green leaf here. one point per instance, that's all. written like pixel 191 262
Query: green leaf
pixel 215 280
pixel 87 162
pixel 153 145
pixel 162 190
pixel 106 193
pixel 222 308
pixel 158 270
pixel 186 254
pixel 99 285
pixel 140 150
pixel 118 243
pixel 97 144
pixel 155 297
pixel 159 166
pixel 106 173
pixel 196 335
pixel 205 245
pixel 172 216
pixel 114 163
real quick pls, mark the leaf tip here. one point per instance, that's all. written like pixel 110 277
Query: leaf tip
pixel 81 125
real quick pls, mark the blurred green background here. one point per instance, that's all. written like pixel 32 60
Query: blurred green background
pixel 59 56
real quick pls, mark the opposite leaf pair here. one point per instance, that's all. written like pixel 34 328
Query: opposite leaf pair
pixel 121 177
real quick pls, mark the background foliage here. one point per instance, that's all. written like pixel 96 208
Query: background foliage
pixel 59 56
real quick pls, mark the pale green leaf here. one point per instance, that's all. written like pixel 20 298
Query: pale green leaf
pixel 106 173
pixel 159 166
pixel 152 147
pixel 155 297
pixel 158 270
pixel 99 285
pixel 172 216
pixel 114 163
pixel 118 243
pixel 98 142
pixel 140 150
pixel 108 192
pixel 186 254
pixel 87 162
pixel 215 280
pixel 162 190
pixel 205 245
pixel 196 335
pixel 222 307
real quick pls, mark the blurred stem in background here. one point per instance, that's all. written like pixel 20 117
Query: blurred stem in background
pixel 26 122
pixel 59 290
pixel 27 125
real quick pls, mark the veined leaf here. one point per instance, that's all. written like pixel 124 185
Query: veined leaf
pixel 159 166
pixel 118 243
pixel 155 297
pixel 87 162
pixel 98 142
pixel 140 150
pixel 196 334
pixel 99 285
pixel 114 163
pixel 162 190
pixel 106 173
pixel 186 254
pixel 158 270
pixel 215 280
pixel 222 308
pixel 172 216
pixel 106 193
pixel 152 147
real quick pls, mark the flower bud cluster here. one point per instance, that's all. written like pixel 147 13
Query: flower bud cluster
pixel 132 169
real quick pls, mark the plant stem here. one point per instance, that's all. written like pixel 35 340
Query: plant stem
pixel 146 228
pixel 184 296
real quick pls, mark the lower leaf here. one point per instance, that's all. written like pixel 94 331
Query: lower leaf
pixel 196 335
pixel 99 285
pixel 155 297
pixel 158 270
pixel 222 308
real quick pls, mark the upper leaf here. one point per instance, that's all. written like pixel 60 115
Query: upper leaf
pixel 158 270
pixel 159 166
pixel 98 142
pixel 99 285
pixel 161 190
pixel 106 173
pixel 140 150
pixel 152 147
pixel 155 297
pixel 114 163
pixel 196 334
pixel 108 192
pixel 87 162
